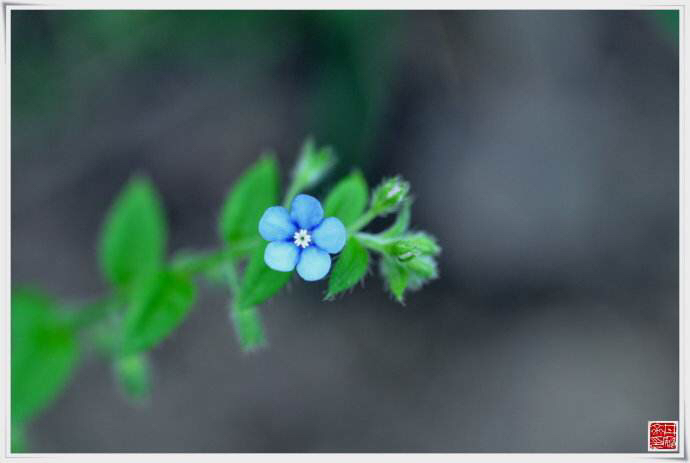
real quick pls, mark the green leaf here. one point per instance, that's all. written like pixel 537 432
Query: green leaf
pixel 134 234
pixel 133 375
pixel 350 268
pixel 44 354
pixel 248 328
pixel 18 444
pixel 396 277
pixel 402 221
pixel 348 199
pixel 254 192
pixel 260 282
pixel 159 304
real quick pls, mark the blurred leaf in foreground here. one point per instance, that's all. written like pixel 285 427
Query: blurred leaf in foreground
pixel 43 356
pixel 18 444
pixel 133 238
pixel 248 328
pixel 133 374
pixel 159 304
pixel 260 283
pixel 254 191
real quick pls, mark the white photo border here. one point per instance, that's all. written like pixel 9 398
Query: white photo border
pixel 684 215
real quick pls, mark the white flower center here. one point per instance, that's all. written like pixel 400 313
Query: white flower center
pixel 302 238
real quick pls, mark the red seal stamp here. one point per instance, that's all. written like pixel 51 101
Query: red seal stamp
pixel 662 436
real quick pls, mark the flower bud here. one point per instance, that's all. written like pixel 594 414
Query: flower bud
pixel 423 267
pixel 313 164
pixel 388 196
pixel 414 245
pixel 404 250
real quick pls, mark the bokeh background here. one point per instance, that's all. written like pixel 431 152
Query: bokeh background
pixel 542 148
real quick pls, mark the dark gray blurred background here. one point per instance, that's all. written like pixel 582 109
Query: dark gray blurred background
pixel 542 148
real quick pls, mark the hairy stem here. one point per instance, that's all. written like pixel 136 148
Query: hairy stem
pixel 373 242
pixel 362 222
pixel 92 313
pixel 233 279
pixel 202 262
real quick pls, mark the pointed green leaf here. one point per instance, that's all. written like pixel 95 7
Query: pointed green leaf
pixel 349 269
pixel 248 328
pixel 133 235
pixel 43 356
pixel 18 444
pixel 348 199
pixel 396 277
pixel 260 282
pixel 254 192
pixel 132 372
pixel 159 304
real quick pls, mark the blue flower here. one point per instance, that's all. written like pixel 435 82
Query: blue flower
pixel 301 238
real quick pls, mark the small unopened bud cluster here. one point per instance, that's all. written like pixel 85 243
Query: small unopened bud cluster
pixel 414 245
pixel 388 196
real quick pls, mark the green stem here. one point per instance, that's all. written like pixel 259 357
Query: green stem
pixel 373 242
pixel 201 263
pixel 362 222
pixel 91 314
pixel 211 260
pixel 233 279
pixel 246 321
pixel 94 312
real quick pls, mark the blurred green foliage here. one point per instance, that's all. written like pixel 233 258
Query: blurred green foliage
pixel 152 294
pixel 44 353
pixel 668 23
pixel 347 77
pixel 134 235
pixel 158 306
pixel 66 55
pixel 132 372
pixel 61 59
pixel 256 191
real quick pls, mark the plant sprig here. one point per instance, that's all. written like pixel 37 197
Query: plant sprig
pixel 151 294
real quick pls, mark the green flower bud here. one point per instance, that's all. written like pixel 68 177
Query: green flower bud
pixel 313 164
pixel 423 267
pixel 404 251
pixel 389 195
pixel 410 246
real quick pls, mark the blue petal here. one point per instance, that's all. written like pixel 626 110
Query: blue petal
pixel 275 224
pixel 306 211
pixel 330 235
pixel 281 256
pixel 314 264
